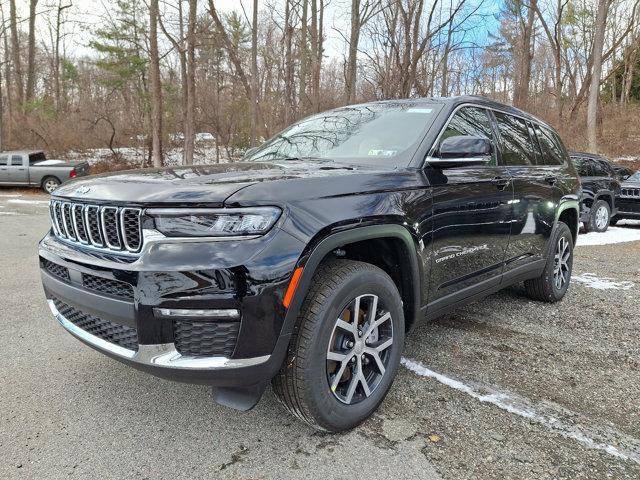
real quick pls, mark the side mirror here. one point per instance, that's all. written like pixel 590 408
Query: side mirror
pixel 462 150
pixel 625 177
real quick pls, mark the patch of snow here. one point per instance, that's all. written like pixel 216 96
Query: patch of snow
pixel 592 281
pixel 16 214
pixel 48 162
pixel 597 438
pixel 612 235
pixel 10 195
pixel 630 222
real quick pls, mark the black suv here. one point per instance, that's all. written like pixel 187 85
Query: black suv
pixel 628 201
pixel 600 186
pixel 307 263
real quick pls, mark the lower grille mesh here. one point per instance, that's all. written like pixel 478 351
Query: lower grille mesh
pixel 115 288
pixel 121 335
pixel 55 269
pixel 205 339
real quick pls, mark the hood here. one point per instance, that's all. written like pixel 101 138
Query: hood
pixel 207 185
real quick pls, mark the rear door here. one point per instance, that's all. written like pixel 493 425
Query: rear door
pixel 471 214
pixel 535 193
pixel 18 172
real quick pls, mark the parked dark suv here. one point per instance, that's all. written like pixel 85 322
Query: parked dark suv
pixel 308 262
pixel 628 201
pixel 600 185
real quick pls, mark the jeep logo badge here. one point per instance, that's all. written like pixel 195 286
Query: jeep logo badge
pixel 82 190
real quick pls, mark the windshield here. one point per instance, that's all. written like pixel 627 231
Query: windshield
pixel 635 177
pixel 385 134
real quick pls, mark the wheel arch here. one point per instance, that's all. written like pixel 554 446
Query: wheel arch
pixel 569 213
pixel 350 244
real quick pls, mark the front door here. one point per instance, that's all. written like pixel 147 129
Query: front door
pixel 471 215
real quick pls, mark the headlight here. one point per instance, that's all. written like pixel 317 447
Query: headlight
pixel 223 222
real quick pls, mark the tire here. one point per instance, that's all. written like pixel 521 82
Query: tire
pixel 49 184
pixel 599 216
pixel 547 287
pixel 303 383
pixel 614 221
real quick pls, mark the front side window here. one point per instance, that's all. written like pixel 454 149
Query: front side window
pixel 472 121
pixel 517 148
pixel 600 169
pixel 384 134
pixel 4 159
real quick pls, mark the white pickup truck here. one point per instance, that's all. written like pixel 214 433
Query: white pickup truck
pixel 32 169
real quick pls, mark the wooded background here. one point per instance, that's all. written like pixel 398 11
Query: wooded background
pixel 152 74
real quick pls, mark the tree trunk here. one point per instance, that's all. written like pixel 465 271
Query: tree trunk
pixel 190 127
pixel 31 61
pixel 288 64
pixel 523 78
pixel 156 86
pixel 304 57
pixel 254 74
pixel 594 86
pixel 18 81
pixel 352 59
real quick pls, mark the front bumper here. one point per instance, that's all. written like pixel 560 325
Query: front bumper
pixel 217 275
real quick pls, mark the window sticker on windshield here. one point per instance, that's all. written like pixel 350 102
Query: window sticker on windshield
pixel 382 153
pixel 420 110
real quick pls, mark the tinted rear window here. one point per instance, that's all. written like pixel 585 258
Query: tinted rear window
pixel 517 148
pixel 583 166
pixel 37 157
pixel 552 152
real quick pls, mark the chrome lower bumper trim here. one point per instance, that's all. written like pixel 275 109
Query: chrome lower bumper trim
pixel 162 355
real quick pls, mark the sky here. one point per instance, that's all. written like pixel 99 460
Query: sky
pixel 88 13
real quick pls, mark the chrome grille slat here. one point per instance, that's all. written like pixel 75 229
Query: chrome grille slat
pixel 77 213
pixel 630 192
pixel 68 223
pixel 108 228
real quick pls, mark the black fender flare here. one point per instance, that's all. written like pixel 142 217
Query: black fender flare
pixel 606 193
pixel 333 241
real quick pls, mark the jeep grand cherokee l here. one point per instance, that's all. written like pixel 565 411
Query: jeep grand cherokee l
pixel 308 262
pixel 628 200
pixel 600 187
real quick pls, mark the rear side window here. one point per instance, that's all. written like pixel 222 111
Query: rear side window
pixel 4 159
pixel 517 148
pixel 16 160
pixel 601 169
pixel 37 157
pixel 583 166
pixel 552 152
pixel 472 121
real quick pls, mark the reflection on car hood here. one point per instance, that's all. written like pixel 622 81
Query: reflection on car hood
pixel 202 184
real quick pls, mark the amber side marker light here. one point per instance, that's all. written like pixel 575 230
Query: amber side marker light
pixel 291 289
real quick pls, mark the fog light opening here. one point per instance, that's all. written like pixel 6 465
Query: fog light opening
pixel 197 313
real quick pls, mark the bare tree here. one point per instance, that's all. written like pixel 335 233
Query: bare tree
pixel 17 80
pixel 190 127
pixel 156 86
pixel 31 59
pixel 254 74
pixel 525 53
pixel 594 87
pixel 361 12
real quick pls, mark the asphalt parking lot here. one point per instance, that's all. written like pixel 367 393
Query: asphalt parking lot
pixel 504 388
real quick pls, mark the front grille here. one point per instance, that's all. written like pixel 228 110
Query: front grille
pixel 630 192
pixel 115 288
pixel 121 335
pixel 205 339
pixel 55 269
pixel 110 228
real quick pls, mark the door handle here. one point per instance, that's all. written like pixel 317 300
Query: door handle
pixel 551 180
pixel 501 182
